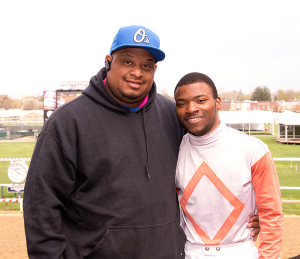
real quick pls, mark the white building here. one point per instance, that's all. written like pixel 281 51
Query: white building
pixel 248 120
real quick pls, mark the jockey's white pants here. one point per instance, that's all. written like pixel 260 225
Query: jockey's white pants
pixel 243 250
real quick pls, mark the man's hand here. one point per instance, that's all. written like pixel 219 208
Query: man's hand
pixel 254 223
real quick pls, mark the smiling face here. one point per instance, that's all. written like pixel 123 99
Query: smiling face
pixel 131 75
pixel 196 108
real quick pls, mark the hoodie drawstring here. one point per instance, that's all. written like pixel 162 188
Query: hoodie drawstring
pixel 147 151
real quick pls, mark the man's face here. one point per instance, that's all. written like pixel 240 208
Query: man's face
pixel 131 75
pixel 196 108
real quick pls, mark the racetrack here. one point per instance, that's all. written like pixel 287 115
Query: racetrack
pixel 13 244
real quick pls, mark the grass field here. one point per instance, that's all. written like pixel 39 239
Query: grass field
pixel 287 176
pixel 16 149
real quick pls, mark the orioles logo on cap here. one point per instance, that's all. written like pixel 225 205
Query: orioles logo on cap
pixel 143 37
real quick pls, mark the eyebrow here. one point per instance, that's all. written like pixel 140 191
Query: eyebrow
pixel 128 55
pixel 150 59
pixel 194 97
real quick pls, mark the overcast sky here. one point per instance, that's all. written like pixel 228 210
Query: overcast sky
pixel 239 44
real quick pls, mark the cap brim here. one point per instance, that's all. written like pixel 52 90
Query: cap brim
pixel 157 53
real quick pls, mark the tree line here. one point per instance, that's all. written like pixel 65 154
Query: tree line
pixel 26 102
pixel 261 93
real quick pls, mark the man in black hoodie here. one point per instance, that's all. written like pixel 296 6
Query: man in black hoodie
pixel 101 179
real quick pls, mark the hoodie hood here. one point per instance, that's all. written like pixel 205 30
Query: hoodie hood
pixel 98 92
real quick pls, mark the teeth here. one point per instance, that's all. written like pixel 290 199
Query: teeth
pixel 195 119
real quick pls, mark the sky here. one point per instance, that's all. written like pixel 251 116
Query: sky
pixel 239 44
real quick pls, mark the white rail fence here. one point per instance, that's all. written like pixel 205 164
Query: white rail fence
pixel 292 159
pixel 20 200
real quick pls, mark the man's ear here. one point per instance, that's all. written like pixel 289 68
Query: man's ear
pixel 107 62
pixel 155 68
pixel 218 103
pixel 108 57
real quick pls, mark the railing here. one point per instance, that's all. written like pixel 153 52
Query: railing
pixel 19 121
pixel 18 188
pixel 288 159
pixel 20 201
pixel 291 159
pixel 289 188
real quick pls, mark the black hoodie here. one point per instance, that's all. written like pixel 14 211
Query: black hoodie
pixel 88 193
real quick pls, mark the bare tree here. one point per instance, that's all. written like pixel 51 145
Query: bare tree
pixel 29 102
pixel 164 93
pixel 6 102
pixel 291 95
pixel 281 95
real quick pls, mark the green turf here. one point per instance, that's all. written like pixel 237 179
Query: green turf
pixel 287 176
pixel 16 149
pixel 278 149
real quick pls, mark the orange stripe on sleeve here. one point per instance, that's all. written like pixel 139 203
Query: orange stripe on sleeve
pixel 268 202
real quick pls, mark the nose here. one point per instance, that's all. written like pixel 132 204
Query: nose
pixel 191 108
pixel 137 72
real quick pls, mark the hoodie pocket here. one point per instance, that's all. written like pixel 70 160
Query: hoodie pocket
pixel 146 242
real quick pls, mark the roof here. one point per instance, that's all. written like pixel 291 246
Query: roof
pixel 18 112
pixel 289 118
pixel 233 117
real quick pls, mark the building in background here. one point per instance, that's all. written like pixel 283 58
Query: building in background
pixel 289 128
pixel 17 115
pixel 248 120
pixel 260 106
pixel 248 105
pixel 32 116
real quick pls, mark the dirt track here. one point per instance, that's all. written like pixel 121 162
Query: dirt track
pixel 13 244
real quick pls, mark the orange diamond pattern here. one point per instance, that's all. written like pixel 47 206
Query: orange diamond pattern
pixel 204 169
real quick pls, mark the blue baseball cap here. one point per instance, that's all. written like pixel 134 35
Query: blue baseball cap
pixel 136 36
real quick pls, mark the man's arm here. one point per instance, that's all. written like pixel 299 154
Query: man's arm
pixel 268 201
pixel 49 183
